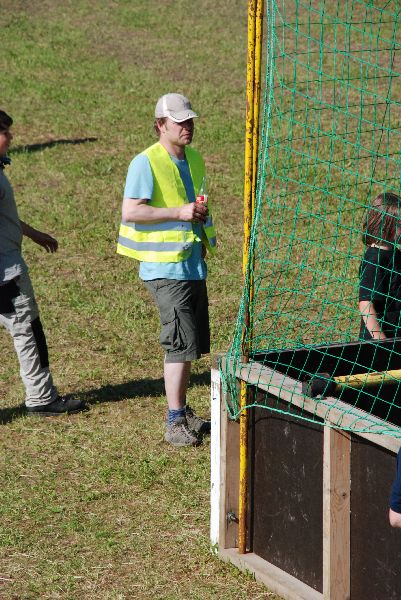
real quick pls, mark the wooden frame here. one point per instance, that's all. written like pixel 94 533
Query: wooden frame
pixel 337 456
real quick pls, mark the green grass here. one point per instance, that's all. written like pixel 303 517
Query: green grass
pixel 96 506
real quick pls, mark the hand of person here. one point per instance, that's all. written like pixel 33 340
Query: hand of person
pixel 49 243
pixel 195 212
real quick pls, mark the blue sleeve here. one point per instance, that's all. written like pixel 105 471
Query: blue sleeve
pixel 395 496
pixel 139 182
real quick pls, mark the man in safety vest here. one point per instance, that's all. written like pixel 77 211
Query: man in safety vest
pixel 169 233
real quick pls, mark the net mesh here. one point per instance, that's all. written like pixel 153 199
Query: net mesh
pixel 330 143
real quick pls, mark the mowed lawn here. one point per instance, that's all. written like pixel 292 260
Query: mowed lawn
pixel 96 506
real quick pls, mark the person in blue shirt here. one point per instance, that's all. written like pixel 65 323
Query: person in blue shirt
pixel 166 219
pixel 395 496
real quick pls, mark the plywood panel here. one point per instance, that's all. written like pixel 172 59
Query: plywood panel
pixel 286 494
pixel 375 546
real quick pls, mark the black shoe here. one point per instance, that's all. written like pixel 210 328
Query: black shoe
pixel 60 406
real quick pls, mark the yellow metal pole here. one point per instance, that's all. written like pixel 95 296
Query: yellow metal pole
pixel 255 133
pixel 256 95
pixel 250 82
pixel 255 19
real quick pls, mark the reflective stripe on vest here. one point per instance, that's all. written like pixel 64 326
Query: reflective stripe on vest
pixel 170 241
pixel 151 246
pixel 159 246
pixel 167 226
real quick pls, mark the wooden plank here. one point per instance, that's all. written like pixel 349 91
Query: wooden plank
pixel 278 581
pixel 229 474
pixel 215 453
pixel 331 409
pixel 336 514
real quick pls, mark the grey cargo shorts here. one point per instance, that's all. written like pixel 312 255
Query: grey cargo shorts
pixel 184 317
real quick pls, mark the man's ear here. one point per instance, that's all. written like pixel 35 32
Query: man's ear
pixel 160 125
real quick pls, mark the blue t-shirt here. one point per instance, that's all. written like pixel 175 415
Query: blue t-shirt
pixel 139 184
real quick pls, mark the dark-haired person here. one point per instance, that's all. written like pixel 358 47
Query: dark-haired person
pixel 380 293
pixel 18 309
pixel 168 233
pixel 380 270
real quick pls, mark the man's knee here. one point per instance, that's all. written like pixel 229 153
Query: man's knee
pixel 30 342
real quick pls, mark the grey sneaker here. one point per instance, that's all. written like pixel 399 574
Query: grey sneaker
pixel 196 423
pixel 178 434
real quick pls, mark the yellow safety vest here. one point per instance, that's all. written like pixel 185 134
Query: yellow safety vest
pixel 170 241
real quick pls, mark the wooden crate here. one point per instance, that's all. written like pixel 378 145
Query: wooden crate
pixel 318 496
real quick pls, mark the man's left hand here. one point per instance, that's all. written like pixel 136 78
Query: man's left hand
pixel 49 243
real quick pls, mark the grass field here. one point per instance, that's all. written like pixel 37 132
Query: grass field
pixel 96 506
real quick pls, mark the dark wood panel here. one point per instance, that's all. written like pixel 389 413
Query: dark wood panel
pixel 375 546
pixel 285 493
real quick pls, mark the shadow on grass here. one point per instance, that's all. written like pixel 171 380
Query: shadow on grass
pixel 50 144
pixel 135 389
pixel 111 393
pixel 7 415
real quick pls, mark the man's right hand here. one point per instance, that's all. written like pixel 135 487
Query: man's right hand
pixel 194 212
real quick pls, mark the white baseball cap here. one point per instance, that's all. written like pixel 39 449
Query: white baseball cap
pixel 174 106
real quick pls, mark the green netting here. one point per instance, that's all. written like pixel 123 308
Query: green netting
pixel 330 143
